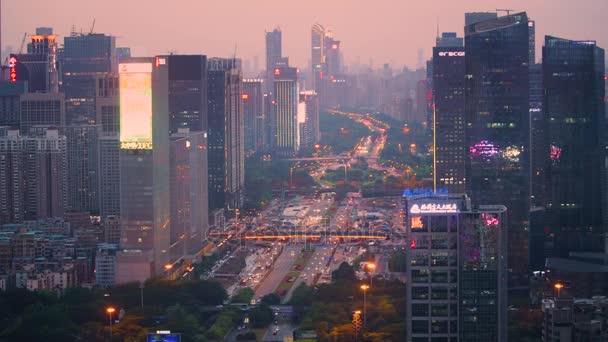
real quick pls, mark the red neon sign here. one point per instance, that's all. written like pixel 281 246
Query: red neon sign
pixel 12 63
pixel 277 71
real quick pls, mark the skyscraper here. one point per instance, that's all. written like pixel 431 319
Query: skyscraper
pixel 10 103
pixel 497 123
pixel 85 57
pixel 310 132
pixel 475 17
pixel 189 194
pixel 144 166
pixel 574 89
pixel 253 108
pixel 39 65
pixel 41 109
pixel 187 92
pixel 273 54
pixel 285 111
pixel 109 175
pixel 317 55
pixel 448 89
pixel 456 289
pixel 33 175
pixel 82 144
pixel 226 134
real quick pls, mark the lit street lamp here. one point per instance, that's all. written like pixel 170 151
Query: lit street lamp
pixel 558 287
pixel 110 311
pixel 364 287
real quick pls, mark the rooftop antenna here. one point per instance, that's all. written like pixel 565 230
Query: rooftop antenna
pixel 508 11
pixel 438 27
pixel 92 27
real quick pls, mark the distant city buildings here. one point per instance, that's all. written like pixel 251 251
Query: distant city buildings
pixel 285 112
pixel 254 114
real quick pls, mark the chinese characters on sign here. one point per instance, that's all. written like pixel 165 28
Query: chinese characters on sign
pixel 434 208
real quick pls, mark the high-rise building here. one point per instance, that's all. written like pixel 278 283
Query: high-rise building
pixel 448 91
pixel 538 149
pixel 456 289
pixel 84 58
pixel 497 123
pixel 10 103
pixel 273 54
pixel 39 65
pixel 144 166
pixel 285 111
pixel 105 264
pixel 109 175
pixel 574 89
pixel 187 92
pixel 310 132
pixel 475 17
pixel 189 193
pixel 82 143
pixel 107 108
pixel 33 175
pixel 254 115
pixel 226 134
pixel 318 55
pixel 41 109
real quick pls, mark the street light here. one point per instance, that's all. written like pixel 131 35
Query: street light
pixel 110 311
pixel 371 267
pixel 558 287
pixel 364 287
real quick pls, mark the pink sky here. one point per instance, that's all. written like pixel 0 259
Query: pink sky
pixel 382 30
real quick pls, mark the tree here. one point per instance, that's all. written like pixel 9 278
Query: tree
pixel 271 299
pixel 243 296
pixel 260 316
pixel 302 295
pixel 180 320
pixel 344 273
pixel 248 336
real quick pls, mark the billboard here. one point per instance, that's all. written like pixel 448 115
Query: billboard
pixel 164 337
pixel 135 88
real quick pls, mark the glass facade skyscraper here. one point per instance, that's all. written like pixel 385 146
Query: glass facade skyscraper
pixel 574 91
pixel 497 123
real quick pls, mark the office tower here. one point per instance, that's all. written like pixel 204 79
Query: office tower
pixel 448 90
pixel 187 92
pixel 285 111
pixel 41 109
pixel 475 17
pixel 497 123
pixel 310 132
pixel 318 55
pixel 111 229
pixel 226 130
pixel 189 194
pixel 39 65
pixel 10 103
pixel 33 175
pixel 273 54
pixel 144 167
pixel 573 74
pixel 456 269
pixel 253 108
pixel 105 264
pixel 107 110
pixel 85 57
pixel 109 175
pixel 82 143
pixel 268 122
pixel 332 55
pixel 538 149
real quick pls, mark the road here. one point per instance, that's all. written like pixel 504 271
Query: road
pixel 281 266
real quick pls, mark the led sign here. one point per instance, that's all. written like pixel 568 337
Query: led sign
pixel 135 84
pixel 451 54
pixel 434 208
pixel 12 64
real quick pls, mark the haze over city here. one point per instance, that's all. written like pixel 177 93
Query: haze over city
pixel 382 30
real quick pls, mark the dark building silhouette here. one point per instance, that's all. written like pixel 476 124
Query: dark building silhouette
pixel 187 92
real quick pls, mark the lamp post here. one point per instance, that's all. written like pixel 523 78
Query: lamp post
pixel 110 311
pixel 371 267
pixel 357 323
pixel 141 292
pixel 558 287
pixel 364 287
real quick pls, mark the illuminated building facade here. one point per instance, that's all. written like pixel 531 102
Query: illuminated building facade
pixel 318 56
pixel 144 164
pixel 497 123
pixel 254 114
pixel 189 194
pixel 448 90
pixel 84 58
pixel 187 92
pixel 226 134
pixel 285 111
pixel 456 269
pixel 574 90
pixel 310 132
pixel 39 65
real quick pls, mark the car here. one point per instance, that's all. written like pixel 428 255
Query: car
pixel 276 331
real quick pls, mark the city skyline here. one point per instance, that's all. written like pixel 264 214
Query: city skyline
pixel 354 25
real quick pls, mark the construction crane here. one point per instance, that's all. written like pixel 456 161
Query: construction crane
pixel 22 43
pixel 92 26
pixel 508 11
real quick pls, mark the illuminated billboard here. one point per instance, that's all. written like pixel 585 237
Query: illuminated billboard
pixel 434 207
pixel 135 85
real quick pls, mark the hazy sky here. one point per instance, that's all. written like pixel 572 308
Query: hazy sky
pixel 382 30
